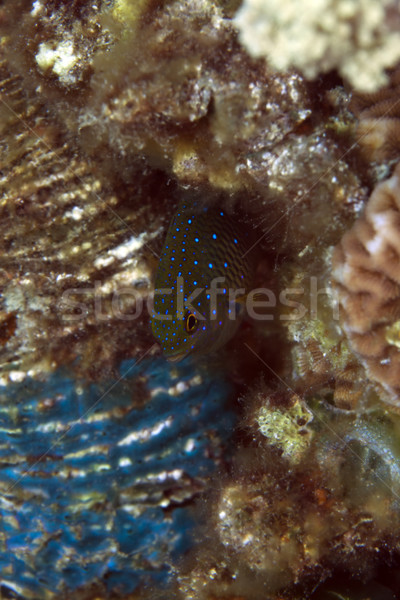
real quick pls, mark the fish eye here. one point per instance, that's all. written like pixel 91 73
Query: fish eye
pixel 191 322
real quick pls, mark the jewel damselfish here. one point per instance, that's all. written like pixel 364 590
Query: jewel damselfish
pixel 202 280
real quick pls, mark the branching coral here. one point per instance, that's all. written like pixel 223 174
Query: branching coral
pixel 357 38
pixel 367 274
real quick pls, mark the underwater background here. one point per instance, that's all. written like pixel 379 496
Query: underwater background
pixel 267 470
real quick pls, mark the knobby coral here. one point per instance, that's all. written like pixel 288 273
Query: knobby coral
pixel 357 38
pixel 367 274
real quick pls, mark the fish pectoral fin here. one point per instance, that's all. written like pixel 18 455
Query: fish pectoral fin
pixel 237 306
pixel 258 296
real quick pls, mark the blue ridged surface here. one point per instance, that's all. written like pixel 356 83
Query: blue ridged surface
pixel 109 499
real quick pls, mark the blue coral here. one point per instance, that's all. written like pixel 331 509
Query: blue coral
pixel 101 490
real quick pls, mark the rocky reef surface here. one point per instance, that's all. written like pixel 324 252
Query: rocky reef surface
pixel 273 470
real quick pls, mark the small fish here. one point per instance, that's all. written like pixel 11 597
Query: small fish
pixel 202 280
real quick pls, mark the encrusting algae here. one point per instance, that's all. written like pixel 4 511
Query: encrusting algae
pixel 116 115
pixel 286 426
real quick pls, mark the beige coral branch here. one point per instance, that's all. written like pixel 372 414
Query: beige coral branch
pixel 358 38
pixel 366 269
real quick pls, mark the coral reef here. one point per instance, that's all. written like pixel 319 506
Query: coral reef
pixel 98 153
pixel 58 281
pixel 359 39
pixel 111 112
pixel 365 269
pixel 280 522
pixel 211 110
